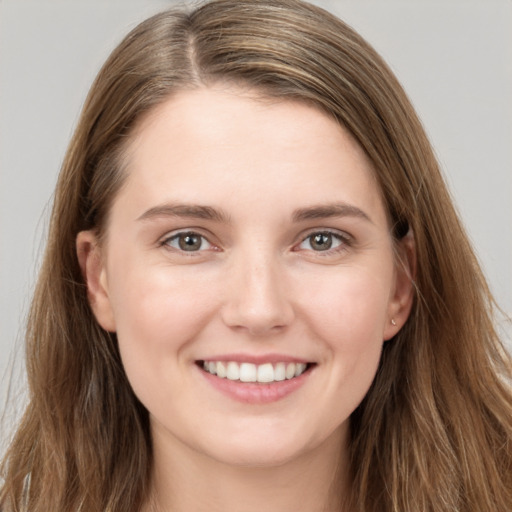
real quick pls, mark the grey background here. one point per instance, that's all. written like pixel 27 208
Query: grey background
pixel 454 58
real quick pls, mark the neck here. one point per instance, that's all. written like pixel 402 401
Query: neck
pixel 187 481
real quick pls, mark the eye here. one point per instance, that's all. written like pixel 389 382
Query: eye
pixel 323 241
pixel 188 241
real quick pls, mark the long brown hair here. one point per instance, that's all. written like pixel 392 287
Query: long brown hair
pixel 434 433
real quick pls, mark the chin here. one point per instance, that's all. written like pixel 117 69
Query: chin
pixel 265 448
pixel 263 455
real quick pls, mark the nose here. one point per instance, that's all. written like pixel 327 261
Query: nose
pixel 256 299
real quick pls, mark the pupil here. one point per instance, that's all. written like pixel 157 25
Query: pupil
pixel 190 242
pixel 322 242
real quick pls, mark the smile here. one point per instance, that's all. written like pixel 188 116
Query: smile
pixel 249 372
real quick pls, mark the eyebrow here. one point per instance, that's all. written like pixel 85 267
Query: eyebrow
pixel 329 210
pixel 194 211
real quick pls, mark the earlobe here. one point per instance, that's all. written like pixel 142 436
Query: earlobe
pixel 401 302
pixel 94 273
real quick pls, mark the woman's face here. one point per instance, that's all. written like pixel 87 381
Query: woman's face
pixel 249 242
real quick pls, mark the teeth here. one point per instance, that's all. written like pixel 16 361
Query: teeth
pixel 233 371
pixel 299 369
pixel 248 372
pixel 265 373
pixel 290 370
pixel 222 371
pixel 280 371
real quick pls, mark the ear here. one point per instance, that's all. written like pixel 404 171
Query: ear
pixel 94 273
pixel 401 301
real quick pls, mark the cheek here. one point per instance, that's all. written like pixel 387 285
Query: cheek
pixel 349 308
pixel 157 313
pixel 348 316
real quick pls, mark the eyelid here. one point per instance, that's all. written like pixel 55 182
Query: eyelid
pixel 164 241
pixel 345 239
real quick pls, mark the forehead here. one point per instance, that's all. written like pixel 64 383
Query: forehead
pixel 224 145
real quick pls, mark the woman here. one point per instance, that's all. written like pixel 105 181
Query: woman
pixel 256 292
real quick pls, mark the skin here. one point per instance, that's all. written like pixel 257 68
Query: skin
pixel 257 285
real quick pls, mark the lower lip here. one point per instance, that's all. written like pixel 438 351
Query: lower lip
pixel 254 392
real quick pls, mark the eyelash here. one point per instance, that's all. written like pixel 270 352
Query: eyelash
pixel 166 242
pixel 343 239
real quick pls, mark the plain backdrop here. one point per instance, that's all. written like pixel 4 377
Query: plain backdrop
pixel 454 58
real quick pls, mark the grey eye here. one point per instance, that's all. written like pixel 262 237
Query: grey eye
pixel 189 242
pixel 322 241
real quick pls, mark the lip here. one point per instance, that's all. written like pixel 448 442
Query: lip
pixel 255 392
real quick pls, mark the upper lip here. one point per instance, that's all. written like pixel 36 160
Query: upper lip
pixel 257 359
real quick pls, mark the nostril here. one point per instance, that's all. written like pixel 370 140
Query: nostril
pixel 257 302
